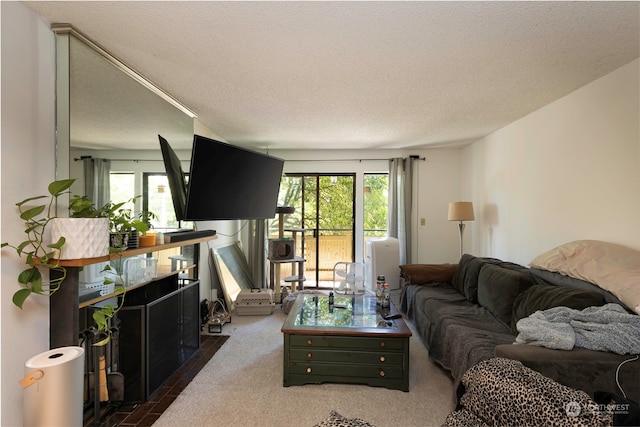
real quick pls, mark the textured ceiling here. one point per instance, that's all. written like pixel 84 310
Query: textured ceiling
pixel 360 74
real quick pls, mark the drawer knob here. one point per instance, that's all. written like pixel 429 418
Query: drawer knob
pixel 382 359
pixel 382 373
pixel 308 355
pixel 308 370
pixel 381 343
pixel 309 342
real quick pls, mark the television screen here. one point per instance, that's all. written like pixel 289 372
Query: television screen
pixel 176 178
pixel 229 182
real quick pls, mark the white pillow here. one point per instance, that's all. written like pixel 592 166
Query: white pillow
pixel 613 267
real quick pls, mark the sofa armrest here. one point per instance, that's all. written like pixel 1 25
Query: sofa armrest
pixel 420 274
pixel 579 368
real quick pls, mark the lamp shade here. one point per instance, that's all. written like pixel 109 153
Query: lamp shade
pixel 461 211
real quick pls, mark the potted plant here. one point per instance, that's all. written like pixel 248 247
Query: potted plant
pixel 123 223
pixel 86 231
pixel 147 238
pixel 38 255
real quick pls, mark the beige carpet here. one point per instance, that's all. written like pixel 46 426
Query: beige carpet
pixel 242 386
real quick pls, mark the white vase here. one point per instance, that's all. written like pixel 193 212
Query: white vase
pixel 84 237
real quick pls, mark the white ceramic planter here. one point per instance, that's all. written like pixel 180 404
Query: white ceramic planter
pixel 85 237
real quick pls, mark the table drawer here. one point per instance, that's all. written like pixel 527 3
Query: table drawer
pixel 345 370
pixel 339 342
pixel 345 356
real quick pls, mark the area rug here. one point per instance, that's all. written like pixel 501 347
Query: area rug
pixel 242 385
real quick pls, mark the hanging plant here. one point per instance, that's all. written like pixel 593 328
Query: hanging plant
pixel 34 250
pixel 39 255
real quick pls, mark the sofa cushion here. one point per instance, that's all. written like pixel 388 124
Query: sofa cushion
pixel 580 368
pixel 465 279
pixel 498 288
pixel 457 280
pixel 420 274
pixel 543 297
pixel 546 277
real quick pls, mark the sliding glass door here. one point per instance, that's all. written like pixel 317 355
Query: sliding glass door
pixel 323 221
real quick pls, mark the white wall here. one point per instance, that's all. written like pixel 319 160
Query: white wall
pixel 439 183
pixel 568 171
pixel 28 152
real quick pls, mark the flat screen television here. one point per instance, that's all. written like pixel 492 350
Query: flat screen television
pixel 176 178
pixel 230 182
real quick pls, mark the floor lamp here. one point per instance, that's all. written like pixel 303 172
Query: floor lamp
pixel 461 211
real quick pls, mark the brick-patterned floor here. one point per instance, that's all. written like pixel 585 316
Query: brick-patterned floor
pixel 145 414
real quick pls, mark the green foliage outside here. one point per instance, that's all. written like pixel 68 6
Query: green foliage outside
pixel 375 204
pixel 335 202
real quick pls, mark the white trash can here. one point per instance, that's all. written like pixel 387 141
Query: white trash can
pixel 53 388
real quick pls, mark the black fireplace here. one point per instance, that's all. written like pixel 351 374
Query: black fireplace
pixel 160 331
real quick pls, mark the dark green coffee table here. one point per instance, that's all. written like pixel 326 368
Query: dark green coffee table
pixel 348 343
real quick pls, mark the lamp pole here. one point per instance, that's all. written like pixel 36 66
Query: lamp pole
pixel 461 227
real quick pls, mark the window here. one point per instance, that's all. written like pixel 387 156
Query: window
pixel 157 199
pixel 376 191
pixel 122 188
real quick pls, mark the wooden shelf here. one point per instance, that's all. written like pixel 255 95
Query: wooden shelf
pixel 83 262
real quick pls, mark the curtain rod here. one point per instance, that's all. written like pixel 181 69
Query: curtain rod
pixel 351 160
pixel 117 160
pixel 293 160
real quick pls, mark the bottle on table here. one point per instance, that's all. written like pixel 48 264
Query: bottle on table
pixel 386 296
pixel 379 289
pixel 330 302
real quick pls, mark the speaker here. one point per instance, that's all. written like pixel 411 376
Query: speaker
pixel 281 249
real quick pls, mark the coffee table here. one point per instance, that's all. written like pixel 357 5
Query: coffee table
pixel 348 342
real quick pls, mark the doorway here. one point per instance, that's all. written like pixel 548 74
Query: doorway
pixel 323 224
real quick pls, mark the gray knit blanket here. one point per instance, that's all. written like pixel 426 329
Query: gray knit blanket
pixel 605 328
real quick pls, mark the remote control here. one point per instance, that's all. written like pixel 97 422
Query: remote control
pixel 395 316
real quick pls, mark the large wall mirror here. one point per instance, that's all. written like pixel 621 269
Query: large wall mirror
pixel 105 110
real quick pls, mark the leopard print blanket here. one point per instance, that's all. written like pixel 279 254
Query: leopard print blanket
pixel 503 392
pixel 337 420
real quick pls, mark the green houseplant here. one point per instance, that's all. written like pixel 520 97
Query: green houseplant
pixel 123 222
pixel 40 255
pixel 36 252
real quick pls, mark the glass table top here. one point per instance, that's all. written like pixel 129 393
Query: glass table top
pixel 359 311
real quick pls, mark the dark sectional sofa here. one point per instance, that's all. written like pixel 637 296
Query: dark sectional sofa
pixel 467 313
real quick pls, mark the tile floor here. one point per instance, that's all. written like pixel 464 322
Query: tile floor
pixel 145 414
